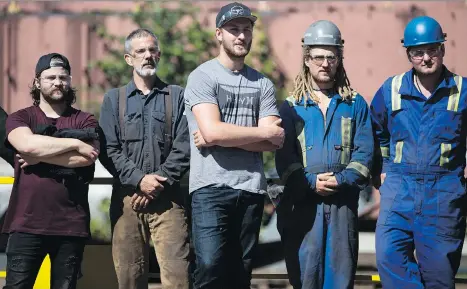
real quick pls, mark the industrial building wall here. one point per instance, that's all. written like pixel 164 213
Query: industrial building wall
pixel 372 33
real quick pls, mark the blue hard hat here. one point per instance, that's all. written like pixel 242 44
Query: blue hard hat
pixel 423 30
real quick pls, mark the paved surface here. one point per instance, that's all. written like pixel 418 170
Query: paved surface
pixel 2 262
pixel 151 286
pixel 254 286
pixel 260 286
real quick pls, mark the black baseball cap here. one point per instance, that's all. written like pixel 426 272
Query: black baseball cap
pixel 52 60
pixel 233 11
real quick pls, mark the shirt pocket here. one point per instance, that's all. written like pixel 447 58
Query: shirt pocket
pixel 345 148
pixel 399 144
pixel 400 120
pixel 446 126
pixel 158 126
pixel 450 210
pixel 445 136
pixel 400 135
pixel 133 127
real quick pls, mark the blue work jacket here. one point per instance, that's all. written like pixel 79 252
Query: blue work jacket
pixel 340 141
pixel 415 134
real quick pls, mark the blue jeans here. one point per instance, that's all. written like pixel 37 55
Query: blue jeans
pixel 25 253
pixel 225 228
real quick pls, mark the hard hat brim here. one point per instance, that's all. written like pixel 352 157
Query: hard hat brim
pixel 322 44
pixel 424 43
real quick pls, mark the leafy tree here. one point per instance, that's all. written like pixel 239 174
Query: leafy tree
pixel 100 228
pixel 184 42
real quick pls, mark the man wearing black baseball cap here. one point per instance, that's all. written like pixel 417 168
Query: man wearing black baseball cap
pixel 232 117
pixel 52 60
pixel 48 214
pixel 233 11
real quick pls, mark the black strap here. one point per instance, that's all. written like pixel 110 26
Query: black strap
pixel 168 123
pixel 121 113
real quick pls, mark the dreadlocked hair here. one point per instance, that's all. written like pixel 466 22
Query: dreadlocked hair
pixel 302 82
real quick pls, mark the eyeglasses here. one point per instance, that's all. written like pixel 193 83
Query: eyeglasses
pixel 319 59
pixel 141 53
pixel 64 79
pixel 418 54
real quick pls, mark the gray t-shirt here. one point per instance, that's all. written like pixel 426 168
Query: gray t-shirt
pixel 243 98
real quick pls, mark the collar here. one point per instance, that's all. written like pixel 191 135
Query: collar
pixel 408 86
pixel 131 88
pixel 310 102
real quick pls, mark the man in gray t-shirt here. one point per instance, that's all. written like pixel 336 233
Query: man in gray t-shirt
pixel 232 116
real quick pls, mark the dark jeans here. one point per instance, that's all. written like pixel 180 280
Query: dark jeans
pixel 225 229
pixel 25 253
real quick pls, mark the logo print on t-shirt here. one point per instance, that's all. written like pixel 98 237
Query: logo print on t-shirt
pixel 228 98
pixel 242 100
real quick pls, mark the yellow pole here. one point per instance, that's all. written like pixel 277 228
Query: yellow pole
pixel 43 278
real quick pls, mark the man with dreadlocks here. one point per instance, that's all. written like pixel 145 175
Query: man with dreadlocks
pixel 324 163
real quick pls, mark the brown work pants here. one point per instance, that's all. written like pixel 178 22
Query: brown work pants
pixel 165 222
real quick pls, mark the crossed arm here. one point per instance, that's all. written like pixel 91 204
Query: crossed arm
pixel 66 152
pixel 268 136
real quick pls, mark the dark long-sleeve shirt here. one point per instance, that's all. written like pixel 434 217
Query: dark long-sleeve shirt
pixel 144 135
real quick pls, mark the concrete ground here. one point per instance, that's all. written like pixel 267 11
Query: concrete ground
pixel 254 286
pixel 158 286
pixel 151 286
pixel 259 284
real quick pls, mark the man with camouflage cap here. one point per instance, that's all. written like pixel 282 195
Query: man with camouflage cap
pixel 324 163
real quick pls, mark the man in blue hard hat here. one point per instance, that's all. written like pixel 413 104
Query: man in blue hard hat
pixel 419 122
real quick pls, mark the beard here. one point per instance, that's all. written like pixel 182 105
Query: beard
pixel 231 52
pixel 57 95
pixel 324 78
pixel 147 71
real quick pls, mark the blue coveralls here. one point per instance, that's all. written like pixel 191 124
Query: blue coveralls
pixel 341 142
pixel 422 144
